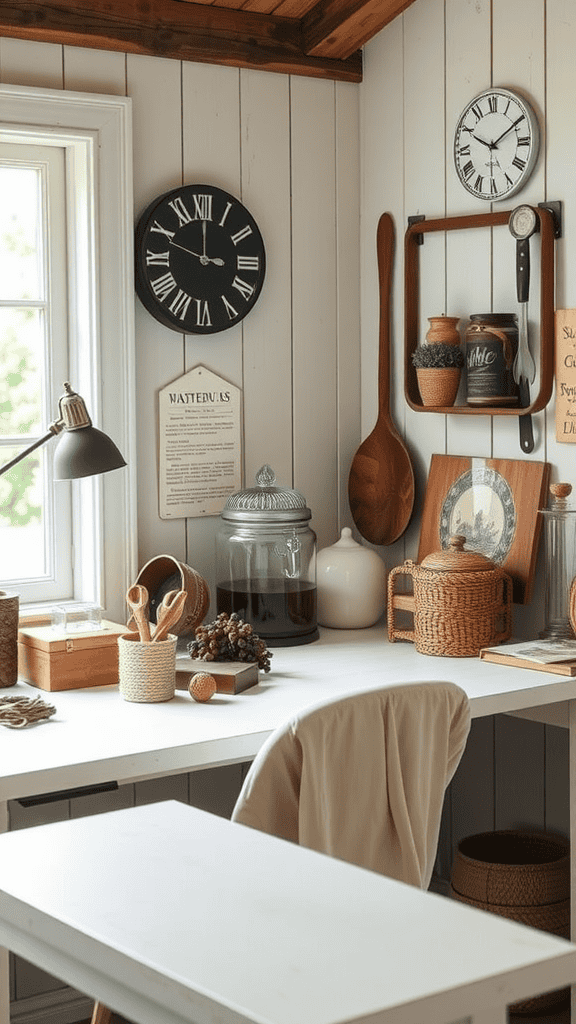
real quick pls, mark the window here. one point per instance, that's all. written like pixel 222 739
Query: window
pixel 35 522
pixel 66 313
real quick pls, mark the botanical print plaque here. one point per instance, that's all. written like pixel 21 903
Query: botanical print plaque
pixel 565 329
pixel 494 503
pixel 200 449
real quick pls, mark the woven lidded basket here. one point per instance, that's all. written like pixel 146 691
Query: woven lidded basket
pixel 523 876
pixel 147 671
pixel 462 602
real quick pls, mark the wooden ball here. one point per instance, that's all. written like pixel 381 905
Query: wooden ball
pixel 202 686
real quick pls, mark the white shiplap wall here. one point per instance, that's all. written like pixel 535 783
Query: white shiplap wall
pixel 419 73
pixel 290 149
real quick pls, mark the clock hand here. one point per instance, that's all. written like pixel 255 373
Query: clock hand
pixel 483 141
pixel 203 256
pixel 513 125
pixel 203 259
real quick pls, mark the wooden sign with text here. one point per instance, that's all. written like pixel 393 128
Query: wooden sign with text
pixel 566 375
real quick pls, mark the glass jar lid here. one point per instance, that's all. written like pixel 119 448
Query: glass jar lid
pixel 266 502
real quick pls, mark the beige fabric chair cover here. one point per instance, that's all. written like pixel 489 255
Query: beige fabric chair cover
pixel 363 778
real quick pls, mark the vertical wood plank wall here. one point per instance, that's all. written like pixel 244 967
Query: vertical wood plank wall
pixel 318 162
pixel 290 149
pixel 419 73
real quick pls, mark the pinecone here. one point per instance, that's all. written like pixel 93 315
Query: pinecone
pixel 229 638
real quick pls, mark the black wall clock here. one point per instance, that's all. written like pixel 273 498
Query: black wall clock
pixel 200 259
pixel 496 144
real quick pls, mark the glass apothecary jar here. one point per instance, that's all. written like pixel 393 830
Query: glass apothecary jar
pixel 266 562
pixel 560 551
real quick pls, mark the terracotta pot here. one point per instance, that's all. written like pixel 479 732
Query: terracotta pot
pixel 439 385
pixel 443 330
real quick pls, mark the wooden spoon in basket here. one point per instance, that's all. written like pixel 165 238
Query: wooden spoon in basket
pixel 137 600
pixel 169 611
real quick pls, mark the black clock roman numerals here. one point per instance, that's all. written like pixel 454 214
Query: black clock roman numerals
pixel 496 142
pixel 200 259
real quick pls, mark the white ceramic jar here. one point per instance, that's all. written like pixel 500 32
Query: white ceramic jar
pixel 351 581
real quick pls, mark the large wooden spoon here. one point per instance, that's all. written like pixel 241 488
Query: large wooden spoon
pixel 381 481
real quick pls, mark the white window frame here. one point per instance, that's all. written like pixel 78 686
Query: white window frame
pixel 96 133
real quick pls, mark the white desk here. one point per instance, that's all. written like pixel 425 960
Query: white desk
pixel 97 737
pixel 190 919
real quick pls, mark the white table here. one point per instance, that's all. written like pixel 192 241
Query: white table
pixel 171 915
pixel 97 737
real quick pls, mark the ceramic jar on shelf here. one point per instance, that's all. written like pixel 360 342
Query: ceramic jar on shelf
pixel 443 330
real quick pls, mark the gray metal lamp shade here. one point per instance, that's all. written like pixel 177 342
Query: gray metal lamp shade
pixel 85 451
pixel 82 449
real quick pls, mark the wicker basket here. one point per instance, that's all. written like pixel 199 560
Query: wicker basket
pixel 524 876
pixel 147 671
pixel 9 609
pixel 438 385
pixel 164 573
pixel 461 603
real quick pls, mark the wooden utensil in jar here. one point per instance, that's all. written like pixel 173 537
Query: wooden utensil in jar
pixel 137 599
pixel 169 611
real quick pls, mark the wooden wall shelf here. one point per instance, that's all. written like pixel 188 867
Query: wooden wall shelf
pixel 412 247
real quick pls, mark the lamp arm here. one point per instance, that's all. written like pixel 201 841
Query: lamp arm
pixel 53 429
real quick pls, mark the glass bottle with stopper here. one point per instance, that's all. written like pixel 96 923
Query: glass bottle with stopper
pixel 560 552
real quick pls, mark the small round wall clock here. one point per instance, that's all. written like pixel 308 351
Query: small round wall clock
pixel 200 259
pixel 496 144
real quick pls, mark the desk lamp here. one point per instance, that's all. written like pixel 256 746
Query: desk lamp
pixel 83 450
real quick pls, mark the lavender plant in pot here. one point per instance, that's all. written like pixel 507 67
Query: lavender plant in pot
pixel 438 369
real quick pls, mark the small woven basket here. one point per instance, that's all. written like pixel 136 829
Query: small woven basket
pixel 147 671
pixel 164 573
pixel 438 385
pixel 9 610
pixel 523 876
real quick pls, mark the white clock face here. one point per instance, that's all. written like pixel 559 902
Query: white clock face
pixel 496 144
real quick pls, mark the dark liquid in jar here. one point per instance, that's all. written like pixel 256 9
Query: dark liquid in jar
pixel 276 608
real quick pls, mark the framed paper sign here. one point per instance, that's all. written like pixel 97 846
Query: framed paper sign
pixel 200 450
pixel 494 503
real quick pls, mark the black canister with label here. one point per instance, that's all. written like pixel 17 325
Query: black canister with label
pixel 491 345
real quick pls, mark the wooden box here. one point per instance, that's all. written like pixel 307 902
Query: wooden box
pixel 230 676
pixel 54 660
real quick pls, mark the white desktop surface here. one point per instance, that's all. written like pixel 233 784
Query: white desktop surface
pixel 169 915
pixel 96 736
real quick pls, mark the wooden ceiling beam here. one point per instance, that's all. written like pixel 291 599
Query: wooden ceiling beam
pixel 184 31
pixel 343 26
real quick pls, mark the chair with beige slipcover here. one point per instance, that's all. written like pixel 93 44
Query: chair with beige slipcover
pixel 362 778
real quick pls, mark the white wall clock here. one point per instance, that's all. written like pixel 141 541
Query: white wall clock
pixel 496 144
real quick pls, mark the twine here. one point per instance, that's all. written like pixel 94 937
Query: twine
pixel 147 671
pixel 16 712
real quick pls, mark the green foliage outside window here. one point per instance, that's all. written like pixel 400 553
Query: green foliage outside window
pixel 19 415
